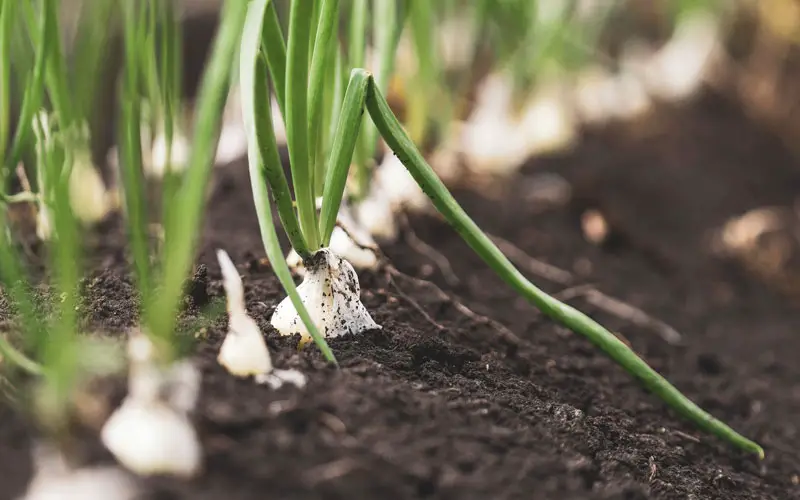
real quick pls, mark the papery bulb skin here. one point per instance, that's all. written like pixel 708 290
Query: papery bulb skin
pixel 331 293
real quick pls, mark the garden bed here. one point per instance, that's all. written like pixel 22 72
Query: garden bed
pixel 443 405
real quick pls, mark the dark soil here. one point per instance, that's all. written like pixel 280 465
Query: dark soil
pixel 458 409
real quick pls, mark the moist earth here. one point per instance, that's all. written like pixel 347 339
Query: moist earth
pixel 444 403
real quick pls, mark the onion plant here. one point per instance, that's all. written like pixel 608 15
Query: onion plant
pixel 161 280
pixel 161 389
pixel 45 74
pixel 327 302
pixel 162 386
pixel 45 345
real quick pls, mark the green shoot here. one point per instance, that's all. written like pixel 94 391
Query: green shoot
pixel 330 95
pixel 356 58
pixel 386 35
pixel 15 284
pixel 424 83
pixel 53 342
pixel 169 85
pixel 274 46
pixel 317 88
pixel 6 32
pixel 96 23
pixel 161 292
pixel 185 217
pixel 337 98
pixel 297 118
pixel 362 91
pixel 34 91
pixel 7 351
pixel 130 149
pixel 57 77
pixel 344 144
pixel 357 50
pixel 59 352
pixel 171 70
pixel 265 164
pixel 268 149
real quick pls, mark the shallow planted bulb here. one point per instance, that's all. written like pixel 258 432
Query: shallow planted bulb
pixel 244 352
pixel 151 433
pixel 331 293
pixel 54 479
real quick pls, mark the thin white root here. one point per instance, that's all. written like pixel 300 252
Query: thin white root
pixel 54 479
pixel 331 293
pixel 150 433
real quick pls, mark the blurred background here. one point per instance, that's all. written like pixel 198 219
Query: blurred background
pixel 618 86
pixel 617 57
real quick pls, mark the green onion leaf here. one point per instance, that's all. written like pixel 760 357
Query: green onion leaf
pixel 274 46
pixel 344 144
pixel 320 82
pixel 130 151
pixel 409 155
pixel 258 120
pixel 263 158
pixel 297 117
pixel 185 217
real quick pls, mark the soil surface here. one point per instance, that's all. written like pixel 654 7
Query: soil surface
pixel 444 404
